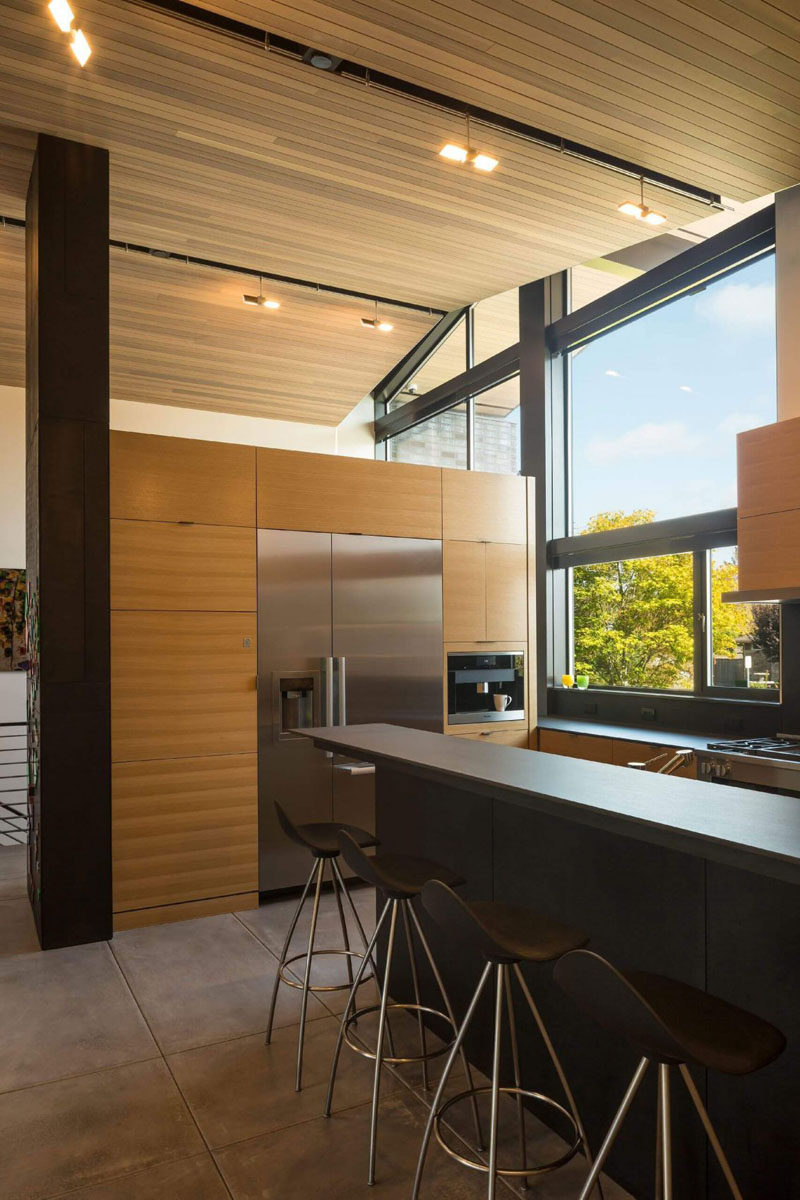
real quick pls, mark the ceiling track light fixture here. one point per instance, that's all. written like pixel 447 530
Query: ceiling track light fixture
pixel 640 210
pixel 64 18
pixel 261 300
pixel 462 154
pixel 377 322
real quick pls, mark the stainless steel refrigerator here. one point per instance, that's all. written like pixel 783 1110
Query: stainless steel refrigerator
pixel 349 632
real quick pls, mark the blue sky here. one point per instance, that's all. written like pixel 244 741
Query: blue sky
pixel 657 404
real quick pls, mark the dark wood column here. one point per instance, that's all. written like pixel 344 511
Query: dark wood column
pixel 67 542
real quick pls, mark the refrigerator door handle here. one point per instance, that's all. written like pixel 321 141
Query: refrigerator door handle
pixel 342 692
pixel 326 666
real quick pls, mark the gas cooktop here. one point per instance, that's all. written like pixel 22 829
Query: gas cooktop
pixel 784 746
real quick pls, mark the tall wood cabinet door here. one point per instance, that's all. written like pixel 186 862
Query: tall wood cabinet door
pixel 464 584
pixel 181 479
pixel 323 492
pixel 182 684
pixel 506 592
pixel 199 568
pixel 477 506
pixel 768 471
pixel 769 551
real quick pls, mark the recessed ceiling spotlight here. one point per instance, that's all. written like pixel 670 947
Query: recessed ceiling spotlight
pixel 642 213
pixel 461 154
pixel 80 47
pixel 321 60
pixel 62 14
pixel 483 162
pixel 261 300
pixel 453 153
pixel 377 322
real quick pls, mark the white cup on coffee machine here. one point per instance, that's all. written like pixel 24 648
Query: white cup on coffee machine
pixel 501 701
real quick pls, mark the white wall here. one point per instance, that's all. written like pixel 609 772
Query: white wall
pixel 12 525
pixel 353 437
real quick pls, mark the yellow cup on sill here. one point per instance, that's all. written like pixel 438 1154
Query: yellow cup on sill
pixel 567 681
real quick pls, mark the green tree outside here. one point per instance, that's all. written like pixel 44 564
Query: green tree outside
pixel 633 620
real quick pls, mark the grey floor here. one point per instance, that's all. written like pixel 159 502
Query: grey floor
pixel 136 1069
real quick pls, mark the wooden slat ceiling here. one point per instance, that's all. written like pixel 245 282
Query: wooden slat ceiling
pixel 181 335
pixel 221 150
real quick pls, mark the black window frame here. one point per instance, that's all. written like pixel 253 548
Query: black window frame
pixel 547 394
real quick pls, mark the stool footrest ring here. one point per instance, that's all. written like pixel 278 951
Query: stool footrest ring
pixel 323 987
pixel 360 1013
pixel 514 1172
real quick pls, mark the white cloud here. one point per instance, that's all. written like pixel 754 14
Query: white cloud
pixel 684 387
pixel 739 306
pixel 737 422
pixel 646 441
pixel 613 374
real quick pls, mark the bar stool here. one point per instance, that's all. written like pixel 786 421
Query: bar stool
pixel 321 838
pixel 504 935
pixel 400 877
pixel 672 1024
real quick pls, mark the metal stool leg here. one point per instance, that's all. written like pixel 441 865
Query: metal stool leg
pixel 616 1125
pixel 362 966
pixel 512 1029
pixel 666 1130
pixel 337 872
pixel 376 1086
pixel 307 976
pixel 457 1044
pixel 711 1133
pixel 412 958
pixel 498 1023
pixel 449 1010
pixel 559 1069
pixel 285 952
pixel 343 923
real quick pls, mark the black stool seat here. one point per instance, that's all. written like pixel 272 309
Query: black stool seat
pixel 502 933
pixel 322 837
pixel 669 1021
pixel 399 876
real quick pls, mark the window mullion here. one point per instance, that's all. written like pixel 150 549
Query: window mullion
pixel 701 622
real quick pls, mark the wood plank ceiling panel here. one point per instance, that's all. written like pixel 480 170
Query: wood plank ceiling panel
pixel 707 90
pixel 181 335
pixel 222 150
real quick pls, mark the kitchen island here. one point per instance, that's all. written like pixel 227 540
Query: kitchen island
pixel 685 878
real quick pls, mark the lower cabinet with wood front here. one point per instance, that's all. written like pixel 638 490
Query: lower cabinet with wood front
pixel 617 751
pixel 499 737
pixel 185 833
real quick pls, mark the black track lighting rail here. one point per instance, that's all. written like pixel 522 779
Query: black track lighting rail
pixel 288 48
pixel 192 260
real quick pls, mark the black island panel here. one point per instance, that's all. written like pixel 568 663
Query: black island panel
pixel 689 879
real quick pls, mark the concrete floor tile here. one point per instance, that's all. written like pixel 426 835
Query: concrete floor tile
pixel 91 1129
pixel 329 1158
pixel 67 1012
pixel 13 872
pixel 271 921
pixel 190 1179
pixel 204 981
pixel 242 1088
pixel 17 930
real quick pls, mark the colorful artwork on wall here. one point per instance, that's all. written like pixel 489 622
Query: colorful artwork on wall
pixel 13 636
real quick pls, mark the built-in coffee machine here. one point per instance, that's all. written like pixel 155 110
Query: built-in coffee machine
pixel 485 687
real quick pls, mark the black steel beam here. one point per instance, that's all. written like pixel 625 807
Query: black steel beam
pixel 748 239
pixel 677 535
pixel 418 355
pixel 485 375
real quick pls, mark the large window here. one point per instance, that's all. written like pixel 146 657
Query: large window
pixel 656 404
pixel 653 398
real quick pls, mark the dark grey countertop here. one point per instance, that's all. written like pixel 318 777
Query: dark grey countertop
pixel 757 831
pixel 631 733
